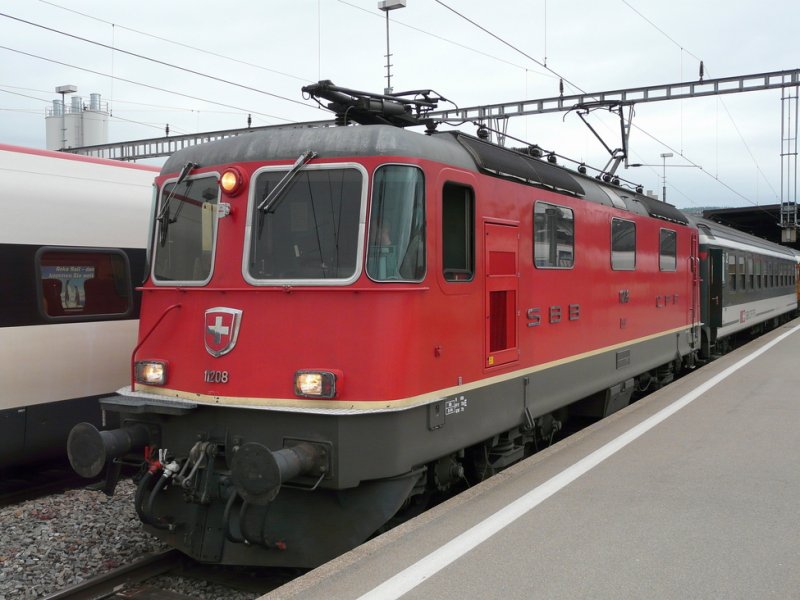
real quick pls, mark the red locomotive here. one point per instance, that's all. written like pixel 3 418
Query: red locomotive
pixel 340 321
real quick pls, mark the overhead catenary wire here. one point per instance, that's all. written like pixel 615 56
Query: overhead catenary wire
pixel 150 105
pixel 653 137
pixel 444 39
pixel 147 85
pixel 47 101
pixel 176 43
pixel 719 100
pixel 501 40
pixel 157 61
pixel 156 37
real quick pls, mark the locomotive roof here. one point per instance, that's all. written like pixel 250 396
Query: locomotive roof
pixel 452 148
pixel 327 142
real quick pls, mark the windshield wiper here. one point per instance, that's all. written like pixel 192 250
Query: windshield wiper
pixel 270 201
pixel 163 215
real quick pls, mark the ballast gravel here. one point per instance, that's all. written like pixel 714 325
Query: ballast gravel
pixel 50 543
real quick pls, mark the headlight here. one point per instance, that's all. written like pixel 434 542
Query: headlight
pixel 315 384
pixel 151 372
pixel 231 181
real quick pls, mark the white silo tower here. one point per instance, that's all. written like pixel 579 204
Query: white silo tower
pixel 76 124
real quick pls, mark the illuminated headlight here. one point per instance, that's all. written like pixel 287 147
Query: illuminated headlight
pixel 231 181
pixel 151 372
pixel 315 384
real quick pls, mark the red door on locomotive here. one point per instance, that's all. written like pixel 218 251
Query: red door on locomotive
pixel 501 249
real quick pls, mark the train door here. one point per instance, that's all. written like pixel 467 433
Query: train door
pixel 717 280
pixel 501 248
pixel 694 317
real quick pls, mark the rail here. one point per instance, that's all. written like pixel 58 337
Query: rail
pixel 147 567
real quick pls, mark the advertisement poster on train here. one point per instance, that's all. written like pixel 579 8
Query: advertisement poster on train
pixel 72 278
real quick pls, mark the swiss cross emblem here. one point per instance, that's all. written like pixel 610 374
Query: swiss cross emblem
pixel 221 330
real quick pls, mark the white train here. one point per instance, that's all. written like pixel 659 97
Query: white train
pixel 73 232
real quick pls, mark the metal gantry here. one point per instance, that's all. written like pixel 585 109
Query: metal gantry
pixel 625 97
pixel 168 145
pixel 789 115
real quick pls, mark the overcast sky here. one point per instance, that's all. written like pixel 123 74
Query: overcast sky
pixel 274 47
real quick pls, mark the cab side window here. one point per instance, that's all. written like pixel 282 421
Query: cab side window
pixel 458 232
pixel 623 245
pixel 397 250
pixel 668 250
pixel 553 236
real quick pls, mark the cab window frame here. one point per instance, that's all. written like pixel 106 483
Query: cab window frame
pixel 553 259
pixel 458 232
pixel 618 261
pixel 667 262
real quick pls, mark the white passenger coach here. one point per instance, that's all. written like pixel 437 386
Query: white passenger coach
pixel 72 237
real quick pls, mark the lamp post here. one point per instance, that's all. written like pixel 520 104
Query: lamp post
pixel 664 158
pixel 664 166
pixel 64 90
pixel 386 6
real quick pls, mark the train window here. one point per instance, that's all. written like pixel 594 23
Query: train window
pixel 397 225
pixel 458 232
pixel 732 271
pixel 553 236
pixel 311 230
pixel 186 228
pixel 757 271
pixel 623 245
pixel 668 250
pixel 79 283
pixel 742 278
pixel 750 274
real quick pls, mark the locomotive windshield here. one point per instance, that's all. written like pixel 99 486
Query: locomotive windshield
pixel 397 225
pixel 313 232
pixel 185 230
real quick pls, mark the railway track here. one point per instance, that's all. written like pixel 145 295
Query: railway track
pixel 109 584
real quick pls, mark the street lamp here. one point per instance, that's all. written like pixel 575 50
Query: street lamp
pixel 386 6
pixel 664 158
pixel 664 166
pixel 64 90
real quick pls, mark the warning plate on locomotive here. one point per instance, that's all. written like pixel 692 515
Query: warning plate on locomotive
pixel 455 405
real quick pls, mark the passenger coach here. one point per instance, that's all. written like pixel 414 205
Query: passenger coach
pixel 747 282
pixel 72 239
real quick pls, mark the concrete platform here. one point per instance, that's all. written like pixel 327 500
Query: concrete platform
pixel 693 492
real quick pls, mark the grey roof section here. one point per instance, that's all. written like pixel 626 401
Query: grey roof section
pixel 662 210
pixel 503 162
pixel 337 142
pixel 451 148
